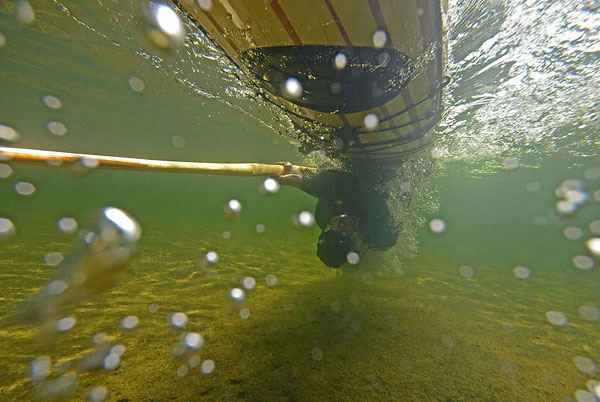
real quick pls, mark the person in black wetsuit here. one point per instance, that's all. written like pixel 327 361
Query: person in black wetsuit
pixel 349 207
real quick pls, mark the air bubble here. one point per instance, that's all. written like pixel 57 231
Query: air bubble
pixel 40 367
pixel 53 258
pixel 56 128
pixel 340 61
pixel 592 173
pixel 5 171
pixel 595 227
pixel 237 295
pixel 521 272
pixel 227 235
pixel 232 209
pixel 24 188
pixel 98 393
pixel 292 88
pixel 583 262
pixel 24 12
pixel 67 225
pixel 163 26
pixel 136 84
pixel 584 396
pixel 179 320
pixel 271 280
pixel 207 367
pixel 52 102
pixel 7 228
pixel 566 207
pixel 244 313
pixel 437 225
pixel 371 121
pixel 111 362
pixel 584 365
pixel 466 271
pixel 260 228
pixel 316 354
pixel 589 313
pixel 8 134
pixel 556 318
pixel 573 233
pixel 130 322
pixel 66 323
pixel 194 361
pixel 249 283
pixel 205 4
pixel 193 340
pixel 304 219
pixel 593 246
pixel 117 350
pixel 269 186
pixel 182 371
pixel 178 141
pixel 352 258
pixel 153 308
pixel 379 38
pixel 510 163
pixel 533 186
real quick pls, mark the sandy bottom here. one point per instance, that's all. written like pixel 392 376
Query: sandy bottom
pixel 428 334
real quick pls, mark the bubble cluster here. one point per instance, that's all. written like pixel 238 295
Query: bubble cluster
pixel 232 209
pixel 571 195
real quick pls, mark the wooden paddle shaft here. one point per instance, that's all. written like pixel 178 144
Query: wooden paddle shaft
pixel 39 157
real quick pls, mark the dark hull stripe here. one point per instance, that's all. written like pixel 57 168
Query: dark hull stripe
pixel 338 23
pixel 380 21
pixel 285 21
pixel 220 29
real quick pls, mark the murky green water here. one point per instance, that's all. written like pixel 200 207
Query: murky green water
pixel 448 320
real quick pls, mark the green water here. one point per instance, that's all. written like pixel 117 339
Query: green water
pixel 424 330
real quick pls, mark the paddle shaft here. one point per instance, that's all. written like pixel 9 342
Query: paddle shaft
pixel 39 157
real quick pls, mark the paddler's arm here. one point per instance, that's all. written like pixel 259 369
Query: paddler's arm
pixel 327 184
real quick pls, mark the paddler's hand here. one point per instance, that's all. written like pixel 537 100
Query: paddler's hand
pixel 290 175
